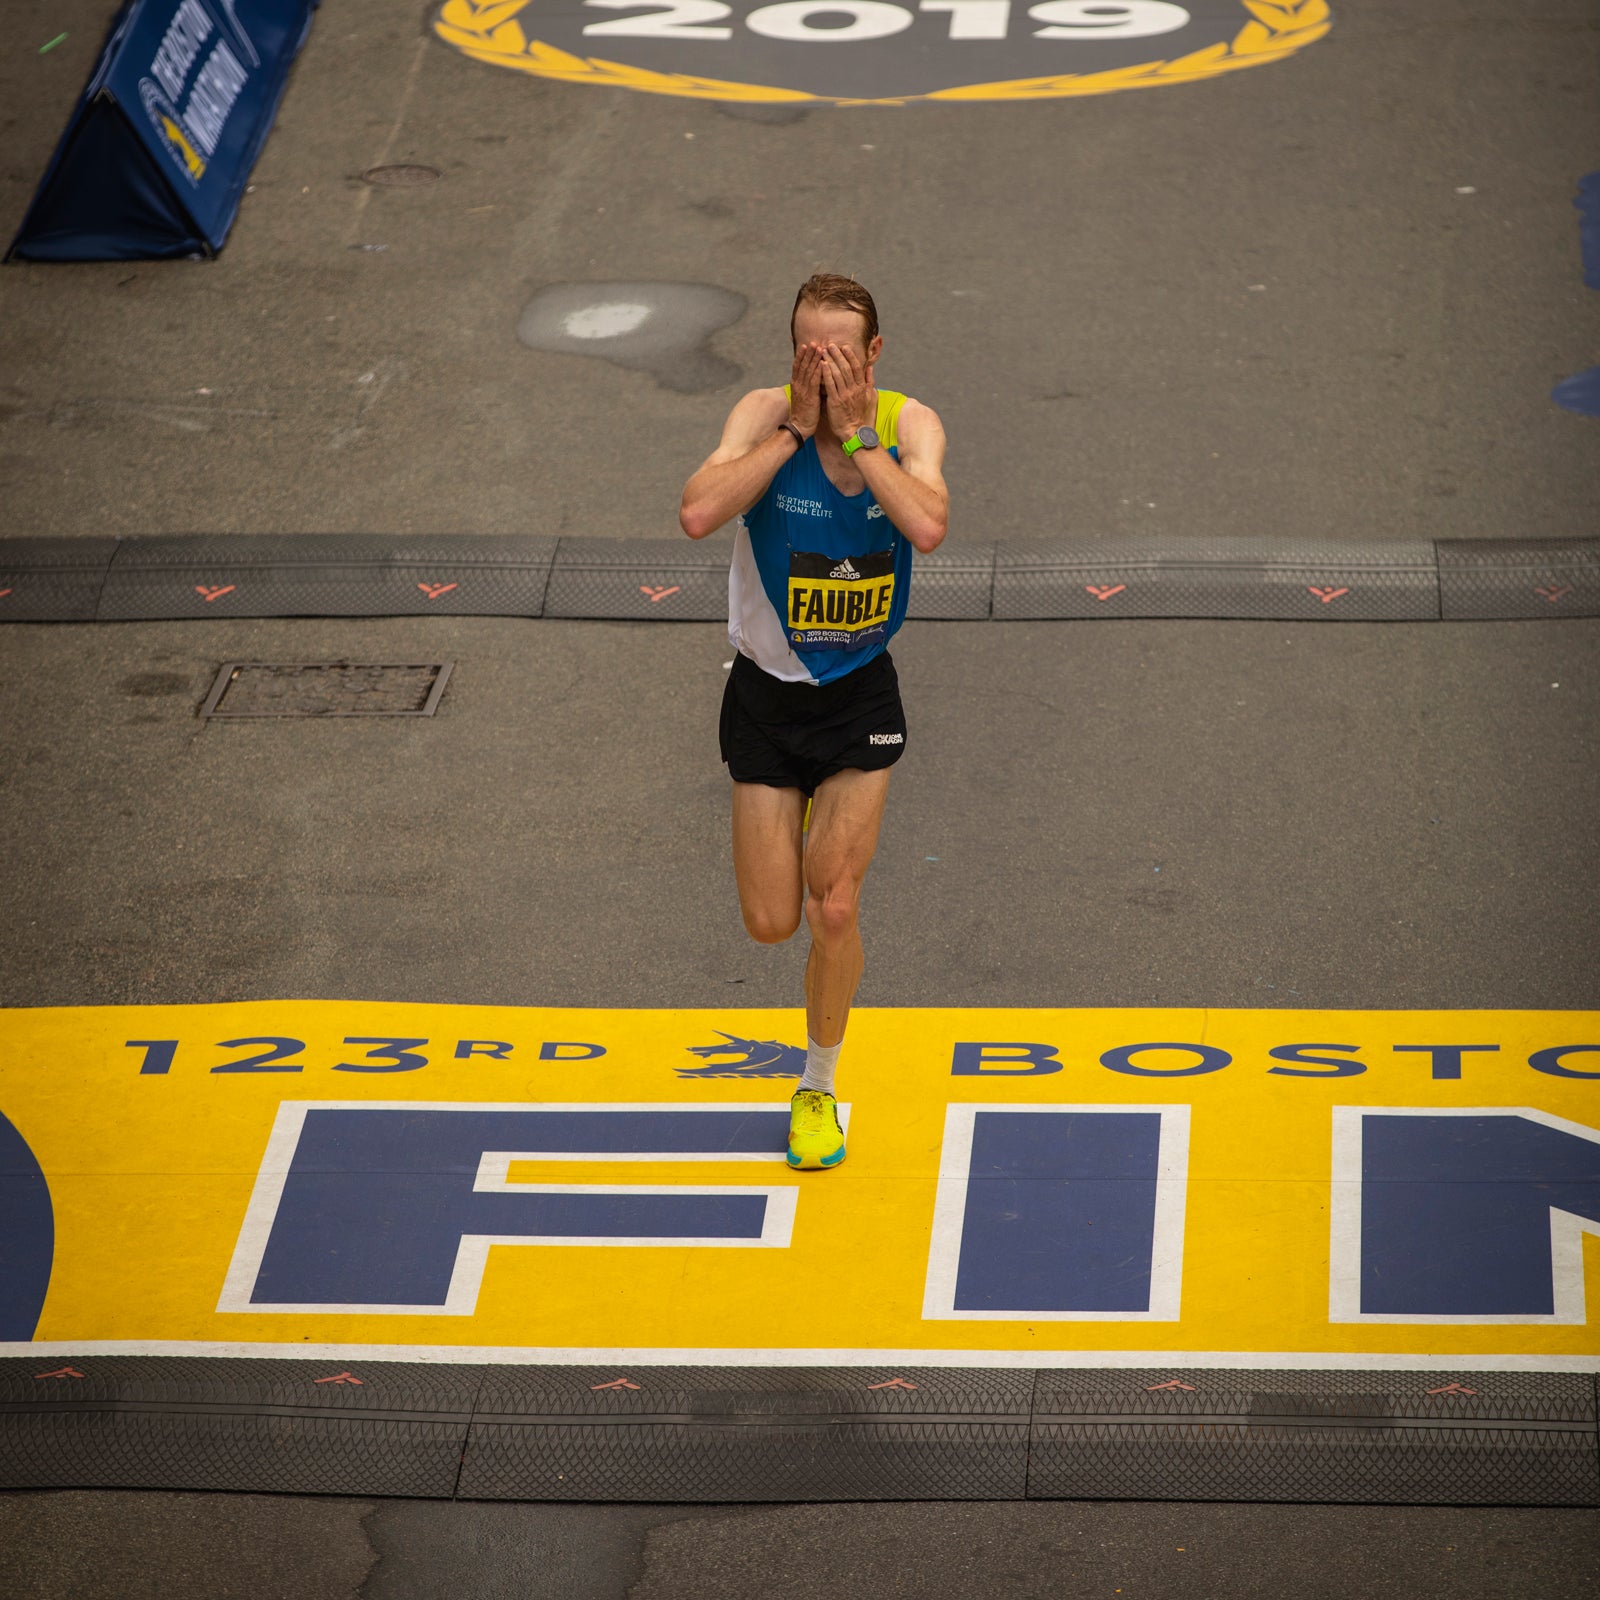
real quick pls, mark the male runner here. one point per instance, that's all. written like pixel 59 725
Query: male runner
pixel 834 482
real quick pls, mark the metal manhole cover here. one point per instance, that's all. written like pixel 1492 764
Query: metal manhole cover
pixel 400 177
pixel 326 689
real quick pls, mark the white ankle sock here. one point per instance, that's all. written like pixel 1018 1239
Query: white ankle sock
pixel 820 1064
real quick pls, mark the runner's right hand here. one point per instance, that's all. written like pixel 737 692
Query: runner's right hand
pixel 805 388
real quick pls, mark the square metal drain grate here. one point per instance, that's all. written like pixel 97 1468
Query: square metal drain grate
pixel 326 689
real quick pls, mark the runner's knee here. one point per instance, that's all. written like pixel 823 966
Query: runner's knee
pixel 769 924
pixel 831 912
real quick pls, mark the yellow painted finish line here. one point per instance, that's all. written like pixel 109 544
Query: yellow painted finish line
pixel 1033 1186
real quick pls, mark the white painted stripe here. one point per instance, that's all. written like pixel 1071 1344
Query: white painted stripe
pixel 265 1197
pixel 1009 1360
pixel 696 1107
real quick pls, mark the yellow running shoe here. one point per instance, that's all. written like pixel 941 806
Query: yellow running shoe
pixel 815 1137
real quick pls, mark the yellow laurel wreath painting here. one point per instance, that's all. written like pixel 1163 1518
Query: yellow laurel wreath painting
pixel 898 54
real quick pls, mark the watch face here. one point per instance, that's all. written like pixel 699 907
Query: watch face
pixel 867 438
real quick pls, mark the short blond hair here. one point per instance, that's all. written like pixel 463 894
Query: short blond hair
pixel 831 289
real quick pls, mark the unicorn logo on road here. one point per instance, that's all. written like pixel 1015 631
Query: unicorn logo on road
pixel 752 1058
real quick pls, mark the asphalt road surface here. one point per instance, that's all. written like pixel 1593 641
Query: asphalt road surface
pixel 1327 296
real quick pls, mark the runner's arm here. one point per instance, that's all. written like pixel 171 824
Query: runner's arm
pixel 735 475
pixel 912 491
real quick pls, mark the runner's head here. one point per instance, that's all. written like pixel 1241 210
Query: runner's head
pixel 832 307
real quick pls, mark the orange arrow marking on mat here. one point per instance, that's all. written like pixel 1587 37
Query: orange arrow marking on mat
pixel 340 1377
pixel 434 590
pixel 211 592
pixel 1171 1383
pixel 1104 591
pixel 658 593
pixel 1452 1388
pixel 62 1372
pixel 1325 595
pixel 616 1383
pixel 893 1383
pixel 1551 592
pixel 4 593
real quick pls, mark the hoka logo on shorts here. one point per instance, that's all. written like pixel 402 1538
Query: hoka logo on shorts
pixel 886 738
pixel 753 1058
pixel 844 570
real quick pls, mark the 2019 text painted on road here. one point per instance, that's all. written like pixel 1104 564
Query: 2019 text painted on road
pixel 879 52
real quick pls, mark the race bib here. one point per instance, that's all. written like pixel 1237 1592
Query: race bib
pixel 839 602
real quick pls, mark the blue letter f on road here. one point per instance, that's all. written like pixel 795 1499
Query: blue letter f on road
pixel 391 1208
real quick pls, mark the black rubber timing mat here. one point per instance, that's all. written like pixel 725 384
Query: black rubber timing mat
pixel 170 577
pixel 721 1434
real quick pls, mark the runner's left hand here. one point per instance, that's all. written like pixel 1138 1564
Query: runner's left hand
pixel 847 383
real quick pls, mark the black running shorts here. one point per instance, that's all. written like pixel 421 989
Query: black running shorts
pixel 795 735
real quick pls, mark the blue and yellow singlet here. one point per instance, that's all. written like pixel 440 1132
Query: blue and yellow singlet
pixel 820 579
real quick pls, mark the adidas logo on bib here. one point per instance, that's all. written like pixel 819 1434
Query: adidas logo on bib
pixel 844 570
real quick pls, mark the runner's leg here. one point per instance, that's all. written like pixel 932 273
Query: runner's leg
pixel 844 834
pixel 767 859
